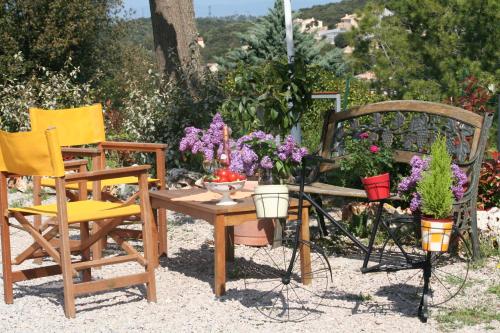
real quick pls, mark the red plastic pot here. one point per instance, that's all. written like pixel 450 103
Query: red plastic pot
pixel 377 187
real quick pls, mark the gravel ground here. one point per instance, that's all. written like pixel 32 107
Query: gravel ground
pixel 353 301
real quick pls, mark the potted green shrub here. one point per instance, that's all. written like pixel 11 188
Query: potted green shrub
pixel 371 162
pixel 435 189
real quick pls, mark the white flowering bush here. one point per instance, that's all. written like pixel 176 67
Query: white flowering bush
pixel 156 109
pixel 43 89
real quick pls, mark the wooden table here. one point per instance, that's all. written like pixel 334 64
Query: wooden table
pixel 224 218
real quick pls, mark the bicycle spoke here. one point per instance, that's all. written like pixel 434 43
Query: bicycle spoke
pixel 441 283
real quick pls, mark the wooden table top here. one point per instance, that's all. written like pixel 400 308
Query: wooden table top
pixel 244 205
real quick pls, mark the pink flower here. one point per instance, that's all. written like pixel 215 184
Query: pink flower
pixel 364 135
pixel 374 149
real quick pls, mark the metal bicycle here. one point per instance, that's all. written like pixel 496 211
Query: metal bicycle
pixel 432 278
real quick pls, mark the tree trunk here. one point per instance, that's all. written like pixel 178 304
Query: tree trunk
pixel 175 34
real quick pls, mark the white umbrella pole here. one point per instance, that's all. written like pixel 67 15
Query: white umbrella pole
pixel 290 51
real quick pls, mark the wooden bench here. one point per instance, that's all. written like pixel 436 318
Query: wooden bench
pixel 409 128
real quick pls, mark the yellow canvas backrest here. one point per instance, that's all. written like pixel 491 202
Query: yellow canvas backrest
pixel 34 153
pixel 75 126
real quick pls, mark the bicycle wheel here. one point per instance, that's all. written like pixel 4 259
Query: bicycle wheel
pixel 405 273
pixel 280 298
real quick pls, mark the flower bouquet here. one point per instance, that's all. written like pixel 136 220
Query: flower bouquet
pixel 369 161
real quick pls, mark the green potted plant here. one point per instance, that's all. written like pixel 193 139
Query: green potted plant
pixel 435 189
pixel 369 161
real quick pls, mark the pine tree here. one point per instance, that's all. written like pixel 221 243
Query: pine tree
pixel 266 41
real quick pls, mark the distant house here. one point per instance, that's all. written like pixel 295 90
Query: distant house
pixel 348 22
pixel 310 25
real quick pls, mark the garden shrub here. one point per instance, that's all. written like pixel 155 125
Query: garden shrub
pixel 312 121
pixel 43 88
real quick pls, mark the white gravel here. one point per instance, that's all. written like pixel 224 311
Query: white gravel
pixel 186 302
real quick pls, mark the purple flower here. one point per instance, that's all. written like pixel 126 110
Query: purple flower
pixel 266 162
pixel 408 185
pixel 415 202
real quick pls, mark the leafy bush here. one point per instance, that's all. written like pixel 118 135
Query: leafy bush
pixel 312 121
pixel 489 185
pixel 364 158
pixel 45 89
pixel 435 186
pixel 258 96
pixel 156 109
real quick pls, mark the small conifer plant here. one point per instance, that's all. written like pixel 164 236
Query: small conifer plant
pixel 435 186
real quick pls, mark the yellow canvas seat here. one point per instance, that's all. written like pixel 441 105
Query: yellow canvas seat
pixel 50 182
pixel 84 126
pixel 38 153
pixel 87 210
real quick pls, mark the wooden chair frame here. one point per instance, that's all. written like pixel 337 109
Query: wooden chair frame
pixel 98 157
pixel 60 249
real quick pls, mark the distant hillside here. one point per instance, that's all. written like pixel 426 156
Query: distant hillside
pixel 331 13
pixel 220 33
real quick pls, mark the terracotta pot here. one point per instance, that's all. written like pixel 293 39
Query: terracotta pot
pixel 436 234
pixel 254 233
pixel 377 187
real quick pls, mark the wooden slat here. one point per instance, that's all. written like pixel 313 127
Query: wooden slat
pixel 35 246
pixel 74 164
pixel 80 151
pixel 444 110
pixel 133 146
pixel 105 261
pixel 108 284
pixel 35 273
pixel 127 248
pixel 326 189
pixel 107 174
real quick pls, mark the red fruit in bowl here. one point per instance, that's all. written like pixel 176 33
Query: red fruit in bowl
pixel 223 179
pixel 233 176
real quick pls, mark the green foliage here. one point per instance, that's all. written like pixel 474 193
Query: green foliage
pixel 265 41
pixel 435 186
pixel 221 34
pixel 428 47
pixel 155 109
pixel 454 319
pixel 331 13
pixel 341 41
pixel 364 158
pixel 48 32
pixel 258 96
pixel 45 89
pixel 312 121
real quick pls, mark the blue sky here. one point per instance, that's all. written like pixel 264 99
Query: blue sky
pixel 226 7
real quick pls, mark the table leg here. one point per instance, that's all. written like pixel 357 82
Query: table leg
pixel 220 256
pixel 305 251
pixel 162 230
pixel 230 243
